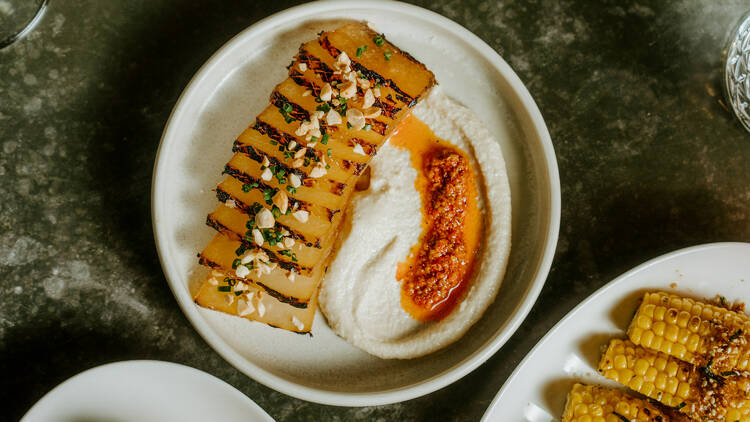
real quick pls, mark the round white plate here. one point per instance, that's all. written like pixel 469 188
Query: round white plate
pixel 570 352
pixel 145 391
pixel 225 96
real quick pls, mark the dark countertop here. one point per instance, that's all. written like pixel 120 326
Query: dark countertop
pixel 650 161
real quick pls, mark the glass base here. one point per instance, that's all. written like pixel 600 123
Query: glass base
pixel 18 18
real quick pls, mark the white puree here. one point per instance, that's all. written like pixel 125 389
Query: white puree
pixel 360 295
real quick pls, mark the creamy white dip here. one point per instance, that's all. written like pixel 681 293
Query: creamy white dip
pixel 360 296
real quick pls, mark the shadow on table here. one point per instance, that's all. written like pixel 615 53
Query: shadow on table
pixel 49 352
pixel 152 58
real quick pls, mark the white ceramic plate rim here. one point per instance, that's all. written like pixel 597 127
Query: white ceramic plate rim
pixel 467 365
pixel 98 370
pixel 601 292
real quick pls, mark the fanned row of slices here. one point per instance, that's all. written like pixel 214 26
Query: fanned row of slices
pixel 690 357
pixel 294 171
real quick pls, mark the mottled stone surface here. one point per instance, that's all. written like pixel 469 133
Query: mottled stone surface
pixel 650 161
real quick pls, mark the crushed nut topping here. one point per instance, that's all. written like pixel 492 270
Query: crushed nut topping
pixel 265 162
pixel 297 323
pixel 348 90
pixel 333 118
pixel 261 307
pixel 358 149
pixel 355 118
pixel 326 92
pixel 301 215
pixel 288 242
pixel 230 203
pixel 291 275
pixel 229 299
pixel 264 219
pixel 300 153
pixel 244 307
pixel 369 99
pixel 266 175
pixel 294 180
pixel 242 271
pixel 281 200
pixel 258 237
pixel 302 67
pixel 372 112
pixel 318 171
pixel 299 162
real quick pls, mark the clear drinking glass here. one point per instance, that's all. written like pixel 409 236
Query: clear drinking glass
pixel 737 70
pixel 18 18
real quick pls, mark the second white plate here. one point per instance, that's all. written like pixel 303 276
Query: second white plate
pixel 145 391
pixel 570 352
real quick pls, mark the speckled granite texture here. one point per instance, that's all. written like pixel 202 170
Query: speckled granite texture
pixel 650 161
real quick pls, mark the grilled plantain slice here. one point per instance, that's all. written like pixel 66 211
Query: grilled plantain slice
pixel 219 254
pixel 224 293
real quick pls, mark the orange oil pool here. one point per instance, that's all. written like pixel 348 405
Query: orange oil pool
pixel 440 266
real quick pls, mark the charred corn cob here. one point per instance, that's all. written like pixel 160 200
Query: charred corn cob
pixel 295 168
pixel 692 331
pixel 696 392
pixel 591 403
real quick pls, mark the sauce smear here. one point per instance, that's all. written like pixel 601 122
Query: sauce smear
pixel 439 267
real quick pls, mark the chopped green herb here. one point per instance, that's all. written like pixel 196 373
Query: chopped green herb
pixel 314 139
pixel 288 155
pixel 276 211
pixel 329 152
pixel 250 223
pixel 238 292
pixel 378 40
pixel 387 55
pixel 236 263
pixel 323 107
pixel 291 189
pixel 325 138
pixel 367 127
pixel 267 195
pixel 287 108
pixel 361 50
pixel 729 374
pixel 225 288
pixel 274 142
pixel 307 161
pixel 328 166
pixel 348 125
pixel 246 187
pixel 284 252
pixel 239 251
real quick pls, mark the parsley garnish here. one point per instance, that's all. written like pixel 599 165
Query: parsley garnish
pixel 291 189
pixel 225 288
pixel 325 138
pixel 387 55
pixel 367 127
pixel 236 263
pixel 323 107
pixel 361 50
pixel 378 40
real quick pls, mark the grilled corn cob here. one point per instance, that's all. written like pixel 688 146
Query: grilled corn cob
pixel 692 331
pixel 591 403
pixel 696 392
pixel 295 168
